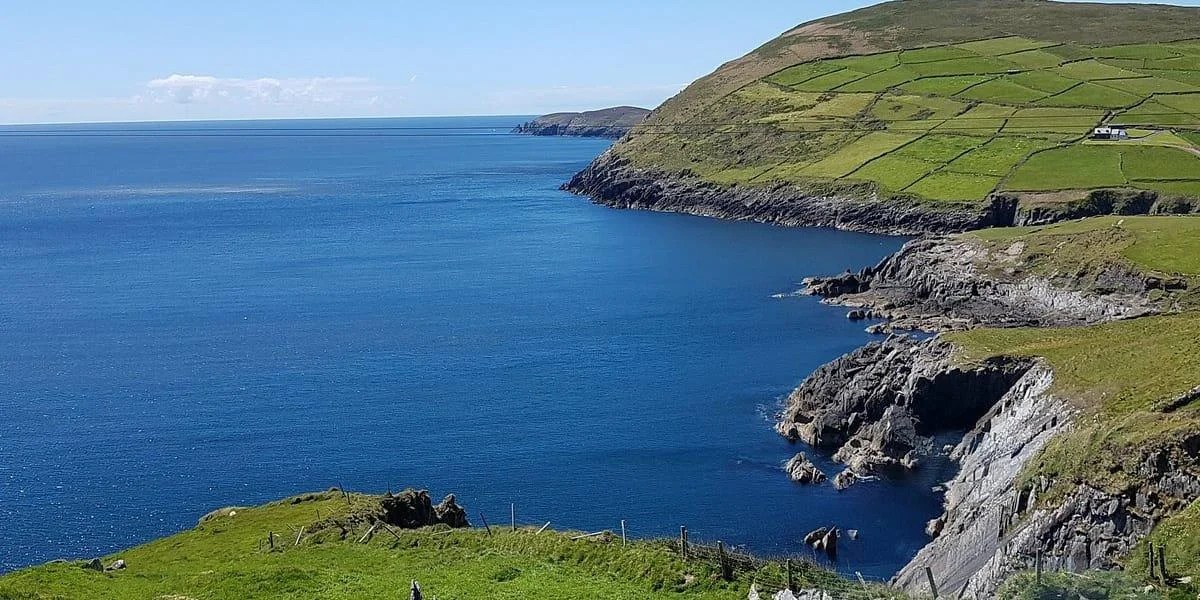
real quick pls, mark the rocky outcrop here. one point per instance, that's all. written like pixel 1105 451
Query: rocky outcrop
pixel 802 470
pixel 942 283
pixel 412 509
pixel 608 123
pixel 877 407
pixel 612 181
pixel 993 526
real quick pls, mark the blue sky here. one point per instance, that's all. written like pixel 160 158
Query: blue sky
pixel 75 60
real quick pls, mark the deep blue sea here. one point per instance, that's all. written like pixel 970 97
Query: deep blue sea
pixel 207 314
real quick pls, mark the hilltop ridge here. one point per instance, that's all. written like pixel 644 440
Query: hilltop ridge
pixel 930 115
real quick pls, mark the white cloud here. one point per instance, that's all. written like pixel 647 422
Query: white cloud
pixel 269 91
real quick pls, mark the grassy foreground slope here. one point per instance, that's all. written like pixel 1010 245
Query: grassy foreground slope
pixel 226 557
pixel 948 100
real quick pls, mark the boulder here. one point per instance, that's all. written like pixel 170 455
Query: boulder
pixel 412 509
pixel 802 470
pixel 844 480
pixel 117 565
pixel 450 513
pixel 94 565
pixel 815 536
pixel 829 543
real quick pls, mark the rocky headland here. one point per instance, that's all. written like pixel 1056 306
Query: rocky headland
pixel 606 123
pixel 614 181
pixel 947 283
pixel 879 409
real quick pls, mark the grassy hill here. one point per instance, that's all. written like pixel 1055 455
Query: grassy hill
pixel 949 101
pixel 324 549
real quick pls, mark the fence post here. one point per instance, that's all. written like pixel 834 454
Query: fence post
pixel 1037 566
pixel 485 523
pixel 683 541
pixel 623 542
pixel 1162 563
pixel 791 581
pixel 721 561
pixel 512 512
pixel 1150 558
pixel 932 583
pixel 271 539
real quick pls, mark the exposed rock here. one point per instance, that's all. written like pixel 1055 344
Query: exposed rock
pixel 992 528
pixel 815 536
pixel 856 315
pixel 117 565
pixel 945 283
pixel 852 534
pixel 802 470
pixel 412 509
pixel 609 122
pixel 844 479
pixel 94 565
pixel 450 513
pixel 877 405
pixel 829 543
pixel 934 527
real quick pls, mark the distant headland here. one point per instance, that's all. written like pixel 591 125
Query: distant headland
pixel 608 122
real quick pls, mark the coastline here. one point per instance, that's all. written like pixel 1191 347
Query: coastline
pixel 878 408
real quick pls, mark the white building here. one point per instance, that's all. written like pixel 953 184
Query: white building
pixel 1110 133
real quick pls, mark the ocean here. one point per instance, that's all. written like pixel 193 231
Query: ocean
pixel 196 315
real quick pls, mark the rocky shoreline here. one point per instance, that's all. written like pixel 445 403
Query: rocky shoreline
pixel 878 410
pixel 951 283
pixel 612 180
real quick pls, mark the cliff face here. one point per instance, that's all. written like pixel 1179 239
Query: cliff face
pixel 942 283
pixel 614 182
pixel 994 525
pixel 608 123
pixel 878 407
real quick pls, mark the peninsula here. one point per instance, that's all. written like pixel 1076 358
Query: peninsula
pixel 608 123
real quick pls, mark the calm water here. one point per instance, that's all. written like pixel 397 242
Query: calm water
pixel 200 315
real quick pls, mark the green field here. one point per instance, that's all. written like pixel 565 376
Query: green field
pixel 1072 167
pixel 1109 165
pixel 228 558
pixel 1031 86
pixel 1002 91
pixel 1114 373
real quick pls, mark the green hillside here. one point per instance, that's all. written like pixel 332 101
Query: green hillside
pixel 949 100
pixel 325 547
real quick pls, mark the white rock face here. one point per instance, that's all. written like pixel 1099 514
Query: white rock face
pixel 970 557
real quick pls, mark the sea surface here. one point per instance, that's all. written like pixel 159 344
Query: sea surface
pixel 207 314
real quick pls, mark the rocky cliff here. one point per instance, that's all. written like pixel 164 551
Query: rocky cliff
pixel 608 123
pixel 612 181
pixel 878 408
pixel 996 524
pixel 942 283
